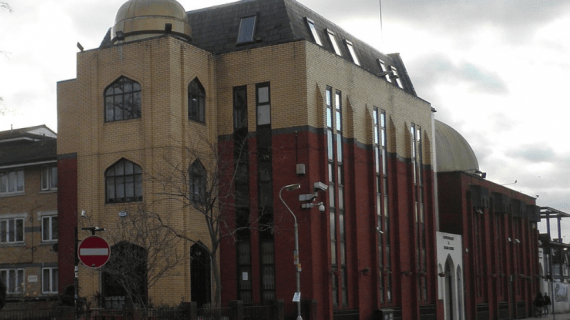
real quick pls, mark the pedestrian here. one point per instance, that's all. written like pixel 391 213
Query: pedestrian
pixel 546 304
pixel 539 303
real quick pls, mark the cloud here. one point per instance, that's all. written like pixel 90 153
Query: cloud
pixel 435 68
pixel 515 20
pixel 536 153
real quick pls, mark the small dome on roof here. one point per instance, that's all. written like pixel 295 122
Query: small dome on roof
pixel 139 19
pixel 453 152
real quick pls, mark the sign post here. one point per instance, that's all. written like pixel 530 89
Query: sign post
pixel 94 252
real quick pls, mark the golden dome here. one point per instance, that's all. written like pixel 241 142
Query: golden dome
pixel 139 19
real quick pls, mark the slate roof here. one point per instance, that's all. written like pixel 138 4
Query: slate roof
pixel 215 29
pixel 22 146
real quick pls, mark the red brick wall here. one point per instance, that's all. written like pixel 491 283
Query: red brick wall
pixel 67 211
pixel 307 147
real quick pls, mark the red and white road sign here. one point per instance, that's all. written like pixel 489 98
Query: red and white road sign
pixel 94 252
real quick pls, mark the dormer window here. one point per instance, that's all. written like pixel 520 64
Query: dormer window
pixel 246 29
pixel 385 71
pixel 314 32
pixel 350 47
pixel 333 42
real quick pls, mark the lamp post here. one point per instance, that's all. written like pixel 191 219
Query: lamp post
pixel 291 187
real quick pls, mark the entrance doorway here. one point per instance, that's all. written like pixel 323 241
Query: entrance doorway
pixel 200 275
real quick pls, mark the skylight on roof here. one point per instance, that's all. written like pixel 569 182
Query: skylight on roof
pixel 396 76
pixel 313 30
pixel 333 42
pixel 385 71
pixel 350 47
pixel 246 29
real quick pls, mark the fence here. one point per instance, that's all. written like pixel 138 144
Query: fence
pixel 186 311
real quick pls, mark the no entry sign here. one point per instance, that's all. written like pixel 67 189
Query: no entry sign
pixel 94 252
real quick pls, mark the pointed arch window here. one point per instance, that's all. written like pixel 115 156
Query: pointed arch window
pixel 196 101
pixel 122 100
pixel 123 182
pixel 197 182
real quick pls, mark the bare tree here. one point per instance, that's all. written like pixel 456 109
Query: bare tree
pixel 5 6
pixel 204 186
pixel 143 252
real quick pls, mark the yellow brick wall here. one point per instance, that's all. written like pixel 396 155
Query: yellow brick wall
pixel 33 253
pixel 157 141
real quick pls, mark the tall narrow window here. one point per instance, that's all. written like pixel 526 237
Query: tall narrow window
pixel 11 182
pixel 263 105
pixel 49 280
pixel 49 178
pixel 240 107
pixel 197 183
pixel 336 197
pixel 314 32
pixel 334 44
pixel 122 100
pixel 50 228
pixel 265 192
pixel 419 213
pixel 123 182
pixel 196 101
pixel 383 224
pixel 352 52
pixel 242 195
pixel 246 29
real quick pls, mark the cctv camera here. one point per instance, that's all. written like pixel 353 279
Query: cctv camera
pixel 322 207
pixel 83 213
pixel 319 186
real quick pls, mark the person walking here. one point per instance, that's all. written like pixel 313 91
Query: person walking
pixel 546 304
pixel 539 303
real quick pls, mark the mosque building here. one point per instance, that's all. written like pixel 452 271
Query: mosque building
pixel 268 116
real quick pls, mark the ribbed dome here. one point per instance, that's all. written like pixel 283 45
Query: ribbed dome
pixel 453 152
pixel 139 19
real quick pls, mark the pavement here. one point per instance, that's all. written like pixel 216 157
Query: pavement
pixel 557 316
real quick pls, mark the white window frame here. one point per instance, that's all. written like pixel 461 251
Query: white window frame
pixel 15 286
pixel 49 178
pixel 50 215
pixel 332 39
pixel 352 52
pixel 6 188
pixel 6 233
pixel 314 32
pixel 52 283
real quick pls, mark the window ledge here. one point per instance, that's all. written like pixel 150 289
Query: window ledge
pixel 12 244
pixel 48 191
pixel 15 194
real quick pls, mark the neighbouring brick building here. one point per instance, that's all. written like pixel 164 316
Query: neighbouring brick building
pixel 498 273
pixel 286 97
pixel 28 214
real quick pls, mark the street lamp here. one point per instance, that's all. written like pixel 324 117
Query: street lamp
pixel 297 297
